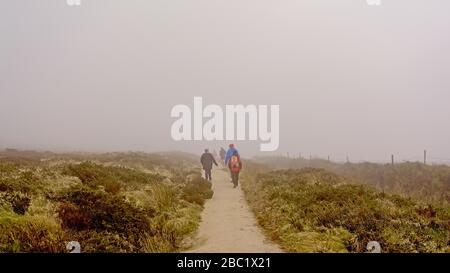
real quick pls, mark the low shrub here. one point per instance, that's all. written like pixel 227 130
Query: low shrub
pixel 111 178
pixel 101 211
pixel 93 241
pixel 197 190
pixel 30 234
pixel 18 201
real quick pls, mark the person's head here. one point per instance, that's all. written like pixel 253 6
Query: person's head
pixel 206 150
pixel 235 153
pixel 231 145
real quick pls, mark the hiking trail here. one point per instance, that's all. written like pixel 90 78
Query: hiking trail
pixel 228 225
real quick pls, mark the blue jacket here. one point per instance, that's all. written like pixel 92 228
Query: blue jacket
pixel 229 154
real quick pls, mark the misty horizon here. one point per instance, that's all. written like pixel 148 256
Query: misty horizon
pixel 351 79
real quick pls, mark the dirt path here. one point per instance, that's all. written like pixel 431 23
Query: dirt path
pixel 227 224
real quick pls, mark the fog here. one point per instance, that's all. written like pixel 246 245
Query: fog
pixel 351 79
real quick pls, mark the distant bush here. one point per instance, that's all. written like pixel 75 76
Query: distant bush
pixel 25 181
pixel 94 175
pixel 111 178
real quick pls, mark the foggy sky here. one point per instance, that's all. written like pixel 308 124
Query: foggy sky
pixel 350 79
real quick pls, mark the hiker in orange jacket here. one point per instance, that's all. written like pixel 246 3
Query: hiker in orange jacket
pixel 235 166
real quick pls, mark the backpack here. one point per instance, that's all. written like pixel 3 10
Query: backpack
pixel 234 164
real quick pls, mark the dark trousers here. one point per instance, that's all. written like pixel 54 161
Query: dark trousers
pixel 208 174
pixel 235 178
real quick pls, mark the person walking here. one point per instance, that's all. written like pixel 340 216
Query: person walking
pixel 235 166
pixel 222 154
pixel 207 160
pixel 231 150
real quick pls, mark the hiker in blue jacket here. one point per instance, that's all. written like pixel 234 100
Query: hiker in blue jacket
pixel 230 153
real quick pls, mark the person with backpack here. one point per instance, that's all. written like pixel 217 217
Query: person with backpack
pixel 231 150
pixel 235 166
pixel 207 160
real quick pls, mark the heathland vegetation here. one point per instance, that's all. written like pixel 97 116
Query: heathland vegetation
pixel 429 183
pixel 117 202
pixel 138 202
pixel 318 210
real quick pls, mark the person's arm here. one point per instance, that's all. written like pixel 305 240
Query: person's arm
pixel 202 159
pixel 214 160
pixel 228 156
